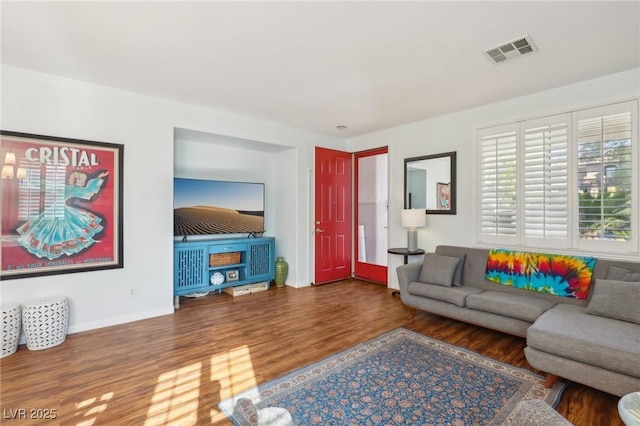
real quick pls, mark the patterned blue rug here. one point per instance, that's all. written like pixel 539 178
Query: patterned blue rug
pixel 400 377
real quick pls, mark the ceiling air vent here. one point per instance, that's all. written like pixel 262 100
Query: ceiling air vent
pixel 513 49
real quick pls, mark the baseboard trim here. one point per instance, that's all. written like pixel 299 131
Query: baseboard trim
pixel 78 328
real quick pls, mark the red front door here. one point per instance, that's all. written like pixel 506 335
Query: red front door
pixel 332 215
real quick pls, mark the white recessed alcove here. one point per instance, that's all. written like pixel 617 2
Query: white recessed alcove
pixel 205 155
pixel 230 141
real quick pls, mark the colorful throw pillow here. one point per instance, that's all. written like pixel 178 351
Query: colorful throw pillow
pixel 438 269
pixel 616 299
pixel 557 274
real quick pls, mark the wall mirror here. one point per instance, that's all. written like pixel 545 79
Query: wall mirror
pixel 430 183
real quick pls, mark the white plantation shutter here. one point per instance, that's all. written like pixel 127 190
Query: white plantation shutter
pixel 498 185
pixel 563 181
pixel 546 179
pixel 606 170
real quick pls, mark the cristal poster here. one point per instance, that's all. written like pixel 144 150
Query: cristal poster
pixel 61 205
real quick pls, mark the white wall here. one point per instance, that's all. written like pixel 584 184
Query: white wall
pixel 207 160
pixel 455 132
pixel 49 105
pixel 293 224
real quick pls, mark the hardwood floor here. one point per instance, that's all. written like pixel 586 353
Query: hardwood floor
pixel 176 368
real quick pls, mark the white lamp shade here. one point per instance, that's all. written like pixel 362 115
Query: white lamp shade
pixel 7 171
pixel 413 218
pixel 10 158
pixel 21 173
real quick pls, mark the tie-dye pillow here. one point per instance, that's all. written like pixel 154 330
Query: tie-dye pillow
pixel 557 274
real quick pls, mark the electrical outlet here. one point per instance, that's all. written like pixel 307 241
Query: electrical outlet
pixel 133 292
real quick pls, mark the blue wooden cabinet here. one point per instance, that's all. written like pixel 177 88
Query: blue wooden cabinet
pixel 230 261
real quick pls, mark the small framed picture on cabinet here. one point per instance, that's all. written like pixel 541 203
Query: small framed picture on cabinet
pixel 232 275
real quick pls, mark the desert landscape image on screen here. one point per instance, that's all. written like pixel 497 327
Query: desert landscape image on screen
pixel 204 207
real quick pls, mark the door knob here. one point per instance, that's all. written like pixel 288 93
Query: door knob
pixel 319 231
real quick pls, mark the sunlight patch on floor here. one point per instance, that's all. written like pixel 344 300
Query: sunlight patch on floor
pixel 175 399
pixel 177 395
pixel 91 408
pixel 233 371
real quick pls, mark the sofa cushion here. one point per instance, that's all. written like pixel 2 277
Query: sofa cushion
pixel 511 305
pixel 621 274
pixel 438 269
pixel 457 274
pixel 566 331
pixel 455 295
pixel 616 299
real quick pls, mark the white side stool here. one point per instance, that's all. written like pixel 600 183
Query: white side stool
pixel 45 322
pixel 629 409
pixel 11 319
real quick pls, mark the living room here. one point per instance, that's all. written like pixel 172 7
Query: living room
pixel 165 138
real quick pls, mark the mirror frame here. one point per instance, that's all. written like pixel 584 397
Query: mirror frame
pixel 452 180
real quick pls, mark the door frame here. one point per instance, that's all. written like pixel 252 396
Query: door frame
pixel 362 270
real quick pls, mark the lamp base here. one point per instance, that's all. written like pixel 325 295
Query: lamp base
pixel 412 240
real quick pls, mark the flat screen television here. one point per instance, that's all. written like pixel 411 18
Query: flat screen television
pixel 206 207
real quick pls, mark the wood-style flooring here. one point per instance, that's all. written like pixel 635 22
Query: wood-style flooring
pixel 174 369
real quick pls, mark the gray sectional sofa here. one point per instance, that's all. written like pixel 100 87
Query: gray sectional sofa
pixel 595 341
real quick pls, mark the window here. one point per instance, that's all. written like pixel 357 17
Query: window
pixel 563 181
pixel 546 179
pixel 498 182
pixel 604 177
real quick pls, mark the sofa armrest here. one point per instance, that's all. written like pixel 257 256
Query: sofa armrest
pixel 408 273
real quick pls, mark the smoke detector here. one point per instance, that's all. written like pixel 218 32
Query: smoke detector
pixel 511 50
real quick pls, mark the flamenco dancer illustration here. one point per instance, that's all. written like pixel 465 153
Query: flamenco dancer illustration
pixel 65 227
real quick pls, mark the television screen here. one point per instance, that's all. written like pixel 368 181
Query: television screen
pixel 203 207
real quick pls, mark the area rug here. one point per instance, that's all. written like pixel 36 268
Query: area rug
pixel 400 377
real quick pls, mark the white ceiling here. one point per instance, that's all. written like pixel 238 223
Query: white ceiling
pixel 316 65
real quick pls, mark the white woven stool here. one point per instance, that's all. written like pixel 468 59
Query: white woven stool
pixel 45 322
pixel 11 319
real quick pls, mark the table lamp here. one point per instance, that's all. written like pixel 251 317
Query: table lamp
pixel 413 219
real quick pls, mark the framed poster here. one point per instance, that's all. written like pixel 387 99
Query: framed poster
pixel 444 196
pixel 61 205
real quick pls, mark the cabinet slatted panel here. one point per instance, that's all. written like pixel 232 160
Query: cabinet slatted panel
pixel 259 264
pixel 190 267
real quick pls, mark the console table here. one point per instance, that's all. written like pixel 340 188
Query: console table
pixel 406 253
pixel 207 265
